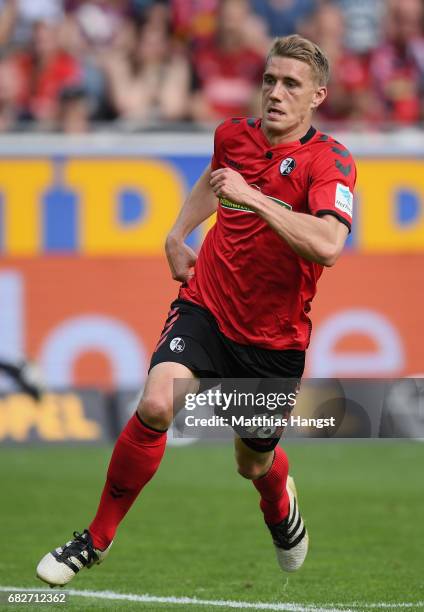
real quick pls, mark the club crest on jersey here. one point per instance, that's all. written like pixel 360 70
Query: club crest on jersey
pixel 177 345
pixel 287 166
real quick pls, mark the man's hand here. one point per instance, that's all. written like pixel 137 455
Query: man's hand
pixel 181 259
pixel 228 183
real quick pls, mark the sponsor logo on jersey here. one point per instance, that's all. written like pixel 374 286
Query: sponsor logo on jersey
pixel 281 203
pixel 177 345
pixel 226 203
pixel 287 166
pixel 344 199
pixel 242 207
pixel 233 163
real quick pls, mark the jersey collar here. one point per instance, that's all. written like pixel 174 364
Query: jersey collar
pixel 306 138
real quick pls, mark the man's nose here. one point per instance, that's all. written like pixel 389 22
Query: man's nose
pixel 277 92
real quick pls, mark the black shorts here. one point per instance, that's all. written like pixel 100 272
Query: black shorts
pixel 191 336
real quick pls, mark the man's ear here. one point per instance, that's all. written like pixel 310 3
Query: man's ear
pixel 319 96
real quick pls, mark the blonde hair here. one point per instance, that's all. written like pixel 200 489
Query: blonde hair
pixel 304 50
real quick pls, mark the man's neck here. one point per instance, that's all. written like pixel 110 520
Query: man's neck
pixel 291 135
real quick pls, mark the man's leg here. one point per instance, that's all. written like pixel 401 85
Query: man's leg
pixel 268 471
pixel 135 459
pixel 25 375
pixel 138 451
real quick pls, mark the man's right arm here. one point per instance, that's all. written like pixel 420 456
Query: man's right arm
pixel 200 204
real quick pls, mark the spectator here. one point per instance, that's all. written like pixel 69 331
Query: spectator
pixel 141 7
pixel 194 21
pixel 74 110
pixel 94 30
pixel 283 17
pixel 228 70
pixel 154 84
pixel 9 88
pixel 397 66
pixel 99 23
pixel 44 71
pixel 17 18
pixel 364 18
pixel 8 19
pixel 349 97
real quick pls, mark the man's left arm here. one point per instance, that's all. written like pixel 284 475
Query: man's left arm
pixel 319 239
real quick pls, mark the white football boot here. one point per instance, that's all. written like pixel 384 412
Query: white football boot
pixel 59 566
pixel 290 536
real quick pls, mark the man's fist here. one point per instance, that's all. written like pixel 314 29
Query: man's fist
pixel 228 183
pixel 181 259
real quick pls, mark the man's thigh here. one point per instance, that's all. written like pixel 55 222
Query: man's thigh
pixel 276 373
pixel 260 423
pixel 161 382
pixel 191 338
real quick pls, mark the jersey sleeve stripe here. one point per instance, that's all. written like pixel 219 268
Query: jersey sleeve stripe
pixel 321 213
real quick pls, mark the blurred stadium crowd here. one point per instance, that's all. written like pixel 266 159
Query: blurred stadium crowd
pixel 76 65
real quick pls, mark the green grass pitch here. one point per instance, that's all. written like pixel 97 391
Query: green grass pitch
pixel 196 531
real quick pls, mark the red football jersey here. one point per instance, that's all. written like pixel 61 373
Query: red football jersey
pixel 258 289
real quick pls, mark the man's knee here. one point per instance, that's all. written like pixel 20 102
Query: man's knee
pixel 155 411
pixel 251 464
pixel 252 471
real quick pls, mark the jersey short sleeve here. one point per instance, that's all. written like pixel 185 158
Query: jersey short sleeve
pixel 332 181
pixel 223 130
pixel 215 163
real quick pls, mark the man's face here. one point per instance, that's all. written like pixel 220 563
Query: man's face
pixel 289 95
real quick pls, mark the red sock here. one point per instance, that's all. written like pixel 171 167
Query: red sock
pixel 135 458
pixel 272 487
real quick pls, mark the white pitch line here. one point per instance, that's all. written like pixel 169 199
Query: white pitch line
pixel 219 603
pixel 382 605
